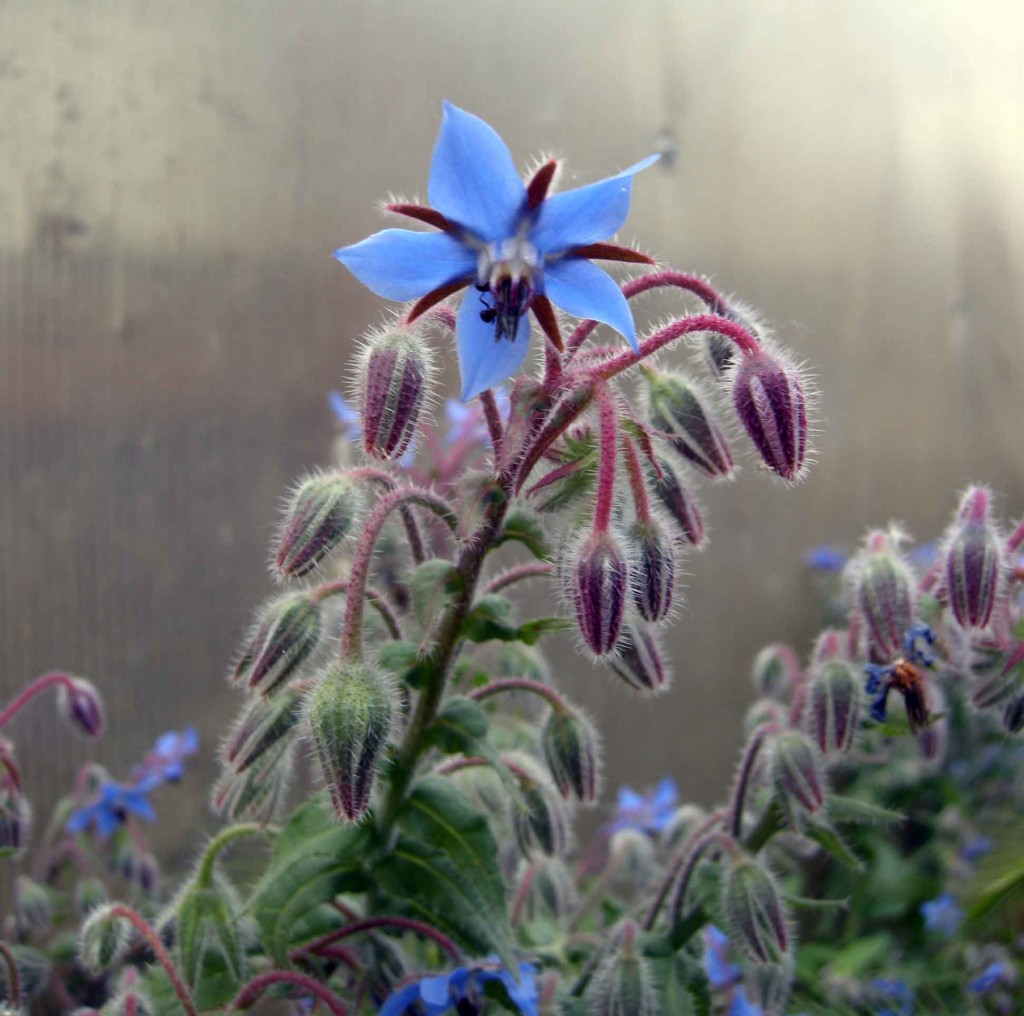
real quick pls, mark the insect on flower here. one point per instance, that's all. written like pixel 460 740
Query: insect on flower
pixel 906 676
pixel 522 249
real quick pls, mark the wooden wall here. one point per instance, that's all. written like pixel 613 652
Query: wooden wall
pixel 173 178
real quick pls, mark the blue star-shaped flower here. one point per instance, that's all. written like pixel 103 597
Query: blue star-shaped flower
pixel 942 915
pixel 917 642
pixel 434 996
pixel 522 249
pixel 650 813
pixel 166 762
pixel 110 809
pixel 989 978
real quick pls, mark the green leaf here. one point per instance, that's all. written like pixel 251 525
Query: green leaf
pixel 524 527
pixel 314 860
pixel 398 656
pixel 531 631
pixel 813 903
pixel 205 924
pixel 444 869
pixel 861 956
pixel 850 809
pixel 999 891
pixel 675 980
pixel 826 837
pixel 215 987
pixel 432 587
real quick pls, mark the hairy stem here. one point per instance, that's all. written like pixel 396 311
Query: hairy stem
pixel 739 797
pixel 494 425
pixel 252 991
pixel 606 459
pixel 374 598
pixel 204 877
pixel 372 923
pixel 545 691
pixel 27 694
pixel 519 574
pixel 387 482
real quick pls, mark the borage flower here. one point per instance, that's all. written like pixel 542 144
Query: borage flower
pixel 462 991
pixel 166 762
pixel 523 250
pixel 110 809
pixel 905 676
pixel 650 813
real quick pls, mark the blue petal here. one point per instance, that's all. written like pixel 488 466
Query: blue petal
pixel 400 264
pixel 435 990
pixel 583 290
pixel 81 819
pixel 107 822
pixel 473 180
pixel 629 799
pixel 666 794
pixel 483 362
pixel 587 214
pixel 397 1003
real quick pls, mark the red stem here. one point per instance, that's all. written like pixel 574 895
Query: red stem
pixel 606 461
pixel 656 280
pixel 1016 538
pixel 494 424
pixel 151 937
pixel 545 691
pixel 519 574
pixel 252 991
pixel 636 481
pixel 387 481
pixel 371 923
pixel 29 693
pixel 663 337
pixel 750 754
pixel 375 599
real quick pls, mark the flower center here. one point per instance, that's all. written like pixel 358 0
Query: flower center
pixel 507 277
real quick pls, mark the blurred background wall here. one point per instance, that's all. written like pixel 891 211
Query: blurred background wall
pixel 173 178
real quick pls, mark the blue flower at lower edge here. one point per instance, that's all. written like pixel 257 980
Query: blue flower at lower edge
pixel 650 813
pixel 897 992
pixel 110 809
pixel 434 996
pixel 521 249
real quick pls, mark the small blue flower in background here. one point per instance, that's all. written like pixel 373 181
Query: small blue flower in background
pixel 942 915
pixel 441 994
pixel 924 555
pixel 649 814
pixel 722 973
pixel 521 249
pixel 826 558
pixel 166 762
pixel 346 415
pixel 977 848
pixel 110 809
pixel 887 990
pixel 742 1006
pixel 988 979
pixel 467 423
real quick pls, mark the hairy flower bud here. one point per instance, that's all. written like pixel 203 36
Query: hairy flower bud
pixel 598 579
pixel 719 354
pixel 678 500
pixel 548 888
pixel 776 671
pixel 350 712
pixel 833 707
pixel 264 723
pixel 33 904
pixel 753 909
pixel 974 561
pixel 829 645
pixel 884 594
pixel 15 818
pixel 1013 715
pixel 763 711
pixel 256 794
pixel 395 371
pixel 81 707
pixel 572 753
pixel 653 569
pixel 639 661
pixel 623 986
pixel 677 407
pixel 769 399
pixel 90 893
pixel 206 924
pixel 286 633
pixel 541 822
pixel 103 940
pixel 796 773
pixel 320 513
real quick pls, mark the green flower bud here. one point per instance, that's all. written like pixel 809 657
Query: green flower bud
pixel 572 752
pixel 350 712
pixel 90 893
pixel 622 986
pixel 320 513
pixel 833 707
pixel 33 904
pixel 754 912
pixel 286 633
pixel 776 671
pixel 103 940
pixel 262 725
pixel 205 924
pixel 796 773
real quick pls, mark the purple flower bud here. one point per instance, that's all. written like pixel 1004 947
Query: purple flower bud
pixel 653 569
pixel 623 986
pixel 321 512
pixel 678 408
pixel 572 753
pixel 797 775
pixel 103 940
pixel 15 819
pixel 599 582
pixel 719 354
pixel 350 712
pixel 1013 715
pixel 974 561
pixel 540 822
pixel 769 399
pixel 81 707
pixel 763 711
pixel 286 633
pixel 776 671
pixel 395 370
pixel 833 707
pixel 639 661
pixel 755 914
pixel 829 645
pixel 261 726
pixel 257 794
pixel 884 595
pixel 678 500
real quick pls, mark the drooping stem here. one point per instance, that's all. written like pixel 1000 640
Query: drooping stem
pixel 545 691
pixel 739 795
pixel 1016 538
pixel 204 877
pixel 607 453
pixel 636 480
pixel 664 337
pixel 374 598
pixel 27 694
pixel 519 574
pixel 161 953
pixel 494 425
pixel 13 977
pixel 352 633
pixel 372 923
pixel 655 280
pixel 713 839
pixel 252 991
pixel 387 482
pixel 565 412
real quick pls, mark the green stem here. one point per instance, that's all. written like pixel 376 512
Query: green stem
pixel 204 877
